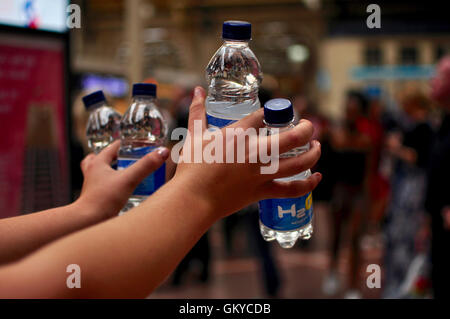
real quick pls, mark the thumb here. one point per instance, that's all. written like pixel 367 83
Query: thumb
pixel 146 165
pixel 197 109
pixel 108 154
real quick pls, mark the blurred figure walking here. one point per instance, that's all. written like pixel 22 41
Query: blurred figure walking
pixel 351 144
pixel 410 150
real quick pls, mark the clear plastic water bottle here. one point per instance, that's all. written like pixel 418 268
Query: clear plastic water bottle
pixel 234 76
pixel 285 219
pixel 103 126
pixel 143 129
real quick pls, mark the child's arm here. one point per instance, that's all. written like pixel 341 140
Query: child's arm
pixel 105 191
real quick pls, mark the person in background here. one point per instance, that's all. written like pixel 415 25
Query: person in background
pixel 410 150
pixel 305 108
pixel 438 196
pixel 351 145
pixel 378 183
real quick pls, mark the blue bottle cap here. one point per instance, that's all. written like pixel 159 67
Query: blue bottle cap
pixel 93 98
pixel 236 30
pixel 146 89
pixel 278 111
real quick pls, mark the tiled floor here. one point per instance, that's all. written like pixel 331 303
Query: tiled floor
pixel 302 269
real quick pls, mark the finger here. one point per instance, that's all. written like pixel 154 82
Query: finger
pixel 280 143
pixel 109 154
pixel 85 162
pixel 295 165
pixel 278 189
pixel 136 173
pixel 298 136
pixel 197 109
pixel 254 120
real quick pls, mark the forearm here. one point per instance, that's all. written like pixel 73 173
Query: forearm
pixel 22 235
pixel 127 256
pixel 351 142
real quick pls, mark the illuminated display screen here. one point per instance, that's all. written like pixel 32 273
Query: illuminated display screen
pixel 113 86
pixel 48 15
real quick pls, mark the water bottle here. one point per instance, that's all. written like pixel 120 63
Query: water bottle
pixel 285 219
pixel 234 76
pixel 142 129
pixel 103 126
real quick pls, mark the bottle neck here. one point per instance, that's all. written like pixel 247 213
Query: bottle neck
pixel 96 106
pixel 279 125
pixel 143 98
pixel 236 43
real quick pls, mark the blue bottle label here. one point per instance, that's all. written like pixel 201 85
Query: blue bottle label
pixel 218 122
pixel 286 214
pixel 153 181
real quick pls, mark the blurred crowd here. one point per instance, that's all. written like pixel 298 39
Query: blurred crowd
pixel 384 184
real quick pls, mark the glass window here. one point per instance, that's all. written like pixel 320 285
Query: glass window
pixel 439 52
pixel 373 56
pixel 409 55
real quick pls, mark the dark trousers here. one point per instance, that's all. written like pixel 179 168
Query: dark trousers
pixel 440 271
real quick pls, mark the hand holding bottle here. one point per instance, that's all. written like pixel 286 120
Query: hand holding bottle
pixel 227 187
pixel 106 190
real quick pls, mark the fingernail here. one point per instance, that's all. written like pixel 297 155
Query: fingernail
pixel 317 143
pixel 318 176
pixel 198 91
pixel 163 152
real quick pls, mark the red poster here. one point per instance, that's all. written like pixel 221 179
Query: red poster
pixel 33 159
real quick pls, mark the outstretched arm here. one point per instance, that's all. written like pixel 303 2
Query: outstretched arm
pixel 24 234
pixel 130 255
